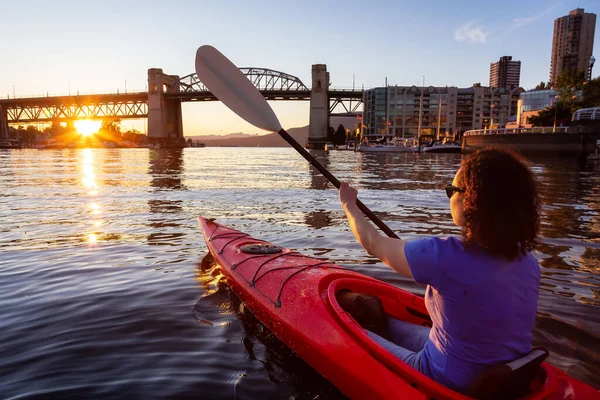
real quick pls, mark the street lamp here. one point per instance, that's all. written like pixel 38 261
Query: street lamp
pixel 492 106
pixel 14 86
pixel 439 117
pixel 555 112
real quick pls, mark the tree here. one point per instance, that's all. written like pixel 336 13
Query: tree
pixel 31 134
pixel 110 130
pixel 340 136
pixel 134 136
pixel 330 134
pixel 591 93
pixel 568 82
pixel 542 85
pixel 546 117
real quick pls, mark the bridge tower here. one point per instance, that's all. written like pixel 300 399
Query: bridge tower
pixel 3 124
pixel 319 107
pixel 165 125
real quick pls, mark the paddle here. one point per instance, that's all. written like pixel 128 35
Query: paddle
pixel 231 86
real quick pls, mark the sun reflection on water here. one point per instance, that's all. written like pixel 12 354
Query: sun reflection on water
pixel 89 177
pixel 88 181
pixel 95 208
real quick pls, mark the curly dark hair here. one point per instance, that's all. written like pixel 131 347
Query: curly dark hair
pixel 501 203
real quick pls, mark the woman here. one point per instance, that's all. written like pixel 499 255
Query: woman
pixel 482 289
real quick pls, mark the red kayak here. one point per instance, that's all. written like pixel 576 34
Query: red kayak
pixel 296 297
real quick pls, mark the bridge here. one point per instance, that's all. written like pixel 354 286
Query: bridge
pixel 161 104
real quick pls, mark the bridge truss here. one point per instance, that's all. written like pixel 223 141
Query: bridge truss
pixel 102 107
pixel 261 78
pixel 274 85
pixel 348 100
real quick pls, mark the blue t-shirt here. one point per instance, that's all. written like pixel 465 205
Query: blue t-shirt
pixel 483 308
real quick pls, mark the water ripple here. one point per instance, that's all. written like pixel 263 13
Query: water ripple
pixel 106 292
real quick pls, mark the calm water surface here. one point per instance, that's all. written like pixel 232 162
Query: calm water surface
pixel 105 292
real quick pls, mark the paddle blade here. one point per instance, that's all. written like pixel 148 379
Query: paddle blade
pixel 231 86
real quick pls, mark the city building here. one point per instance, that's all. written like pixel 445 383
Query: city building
pixel 505 73
pixel 572 43
pixel 410 111
pixel 532 102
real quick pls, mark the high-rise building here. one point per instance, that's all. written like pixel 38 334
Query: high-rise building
pixel 505 73
pixel 409 111
pixel 572 43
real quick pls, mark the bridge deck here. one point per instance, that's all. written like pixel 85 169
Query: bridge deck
pixel 135 105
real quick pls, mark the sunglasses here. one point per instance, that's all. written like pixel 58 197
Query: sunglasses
pixel 451 189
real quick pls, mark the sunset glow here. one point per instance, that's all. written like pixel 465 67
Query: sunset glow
pixel 87 127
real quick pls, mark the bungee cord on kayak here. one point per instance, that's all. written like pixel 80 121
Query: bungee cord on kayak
pixel 265 258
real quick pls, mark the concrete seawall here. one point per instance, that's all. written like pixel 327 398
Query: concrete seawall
pixel 580 140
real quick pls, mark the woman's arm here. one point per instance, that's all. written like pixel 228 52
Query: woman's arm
pixel 388 250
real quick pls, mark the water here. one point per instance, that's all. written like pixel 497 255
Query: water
pixel 105 292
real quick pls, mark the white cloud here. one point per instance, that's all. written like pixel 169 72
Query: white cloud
pixel 519 22
pixel 471 32
pixel 522 21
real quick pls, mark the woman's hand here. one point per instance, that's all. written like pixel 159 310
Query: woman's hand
pixel 348 194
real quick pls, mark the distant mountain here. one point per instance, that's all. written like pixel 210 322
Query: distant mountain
pixel 269 140
pixel 227 136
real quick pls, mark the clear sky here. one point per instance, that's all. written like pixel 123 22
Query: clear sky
pixel 56 46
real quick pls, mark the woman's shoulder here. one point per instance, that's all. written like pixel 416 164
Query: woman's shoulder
pixel 442 247
pixel 439 240
pixel 531 262
pixel 449 243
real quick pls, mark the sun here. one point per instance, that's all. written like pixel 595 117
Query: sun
pixel 87 127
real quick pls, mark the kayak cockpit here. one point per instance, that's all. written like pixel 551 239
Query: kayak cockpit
pixel 362 305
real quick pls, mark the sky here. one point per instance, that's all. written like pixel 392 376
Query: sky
pixel 57 47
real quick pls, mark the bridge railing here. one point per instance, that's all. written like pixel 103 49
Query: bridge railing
pixel 75 93
pixel 517 131
pixel 344 89
pixel 128 91
pixel 586 114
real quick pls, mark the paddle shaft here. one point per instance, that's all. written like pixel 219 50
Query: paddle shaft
pixel 313 161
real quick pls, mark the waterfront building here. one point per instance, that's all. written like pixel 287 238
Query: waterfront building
pixel 505 73
pixel 411 111
pixel 532 102
pixel 572 43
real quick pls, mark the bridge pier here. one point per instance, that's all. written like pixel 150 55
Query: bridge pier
pixel 165 125
pixel 319 108
pixel 3 124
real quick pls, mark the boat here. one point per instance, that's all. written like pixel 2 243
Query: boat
pixel 297 298
pixel 344 147
pixel 397 145
pixel 9 145
pixel 442 146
